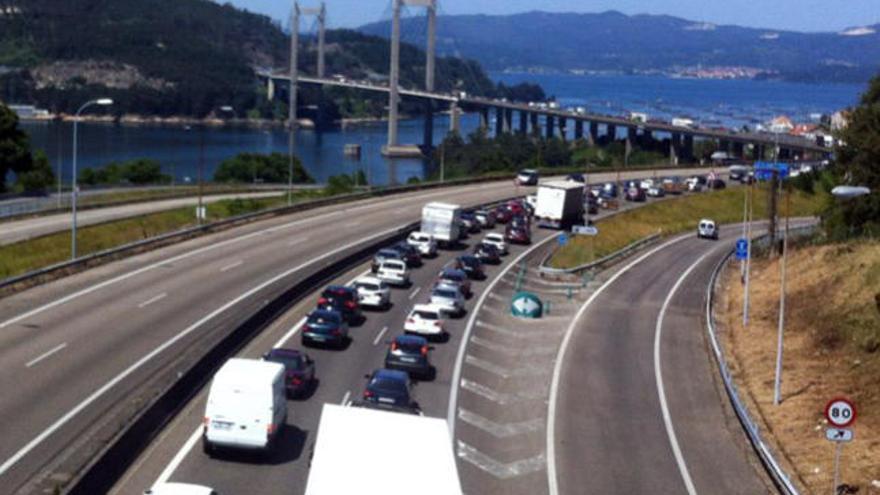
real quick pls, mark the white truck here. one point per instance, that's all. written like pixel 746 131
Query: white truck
pixel 442 221
pixel 353 449
pixel 560 204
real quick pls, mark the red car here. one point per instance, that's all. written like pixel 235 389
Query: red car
pixel 517 235
pixel 502 214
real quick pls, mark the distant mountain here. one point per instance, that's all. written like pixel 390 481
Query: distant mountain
pixel 611 41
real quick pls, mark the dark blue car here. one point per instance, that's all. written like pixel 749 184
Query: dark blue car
pixel 391 388
pixel 409 353
pixel 325 328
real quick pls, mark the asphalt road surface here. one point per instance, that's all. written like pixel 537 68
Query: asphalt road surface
pixel 21 230
pixel 84 353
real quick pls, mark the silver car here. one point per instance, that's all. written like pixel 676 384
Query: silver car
pixel 372 292
pixel 449 298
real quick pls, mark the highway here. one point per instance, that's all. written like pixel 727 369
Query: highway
pixel 637 385
pixel 28 228
pixel 87 351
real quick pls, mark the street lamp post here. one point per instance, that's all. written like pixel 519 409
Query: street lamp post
pixel 777 392
pixel 75 190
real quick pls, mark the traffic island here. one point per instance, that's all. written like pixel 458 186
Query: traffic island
pixel 831 344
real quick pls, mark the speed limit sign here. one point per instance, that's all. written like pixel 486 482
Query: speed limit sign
pixel 840 412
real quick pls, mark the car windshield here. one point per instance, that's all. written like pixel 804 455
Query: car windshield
pixel 393 265
pixel 444 293
pixel 367 286
pixel 409 346
pixel 293 362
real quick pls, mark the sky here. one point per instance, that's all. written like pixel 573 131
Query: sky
pixel 798 15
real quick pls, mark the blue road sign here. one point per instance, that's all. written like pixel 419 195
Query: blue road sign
pixel 563 239
pixel 742 249
pixel 765 170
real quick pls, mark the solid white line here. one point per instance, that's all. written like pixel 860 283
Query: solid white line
pixel 45 355
pixel 661 390
pixel 379 337
pixel 451 412
pixel 346 397
pixel 183 256
pixel 552 482
pixel 164 346
pixel 414 293
pixel 231 266
pixel 179 457
pixel 283 340
pixel 153 300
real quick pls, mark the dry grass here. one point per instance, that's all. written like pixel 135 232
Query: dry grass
pixel 831 349
pixel 673 216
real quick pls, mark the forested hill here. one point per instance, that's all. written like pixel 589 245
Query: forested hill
pixel 612 41
pixel 177 57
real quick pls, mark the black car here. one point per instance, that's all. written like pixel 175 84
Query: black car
pixel 343 300
pixel 609 190
pixel 299 369
pixel 472 266
pixel 717 184
pixel 470 222
pixel 576 178
pixel 409 353
pixel 391 388
pixel 636 194
pixel 409 254
pixel 487 253
pixel 325 327
pixel 385 254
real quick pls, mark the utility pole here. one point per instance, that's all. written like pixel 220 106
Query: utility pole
pixel 394 76
pixel 322 22
pixel 777 393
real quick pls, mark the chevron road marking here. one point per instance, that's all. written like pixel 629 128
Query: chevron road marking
pixel 512 350
pixel 506 372
pixel 498 469
pixel 500 430
pixel 498 397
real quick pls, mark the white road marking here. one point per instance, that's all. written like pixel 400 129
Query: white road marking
pixel 58 424
pixel 498 469
pixel 179 457
pixel 462 347
pixel 552 482
pixel 190 254
pixel 414 293
pixel 346 397
pixel 661 389
pixel 379 337
pixel 153 300
pixel 487 366
pixel 500 430
pixel 231 266
pixel 290 333
pixel 45 355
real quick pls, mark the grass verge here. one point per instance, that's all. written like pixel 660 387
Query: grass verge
pixel 33 254
pixel 674 216
pixel 832 348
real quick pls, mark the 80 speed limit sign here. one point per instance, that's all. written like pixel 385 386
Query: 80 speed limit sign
pixel 840 412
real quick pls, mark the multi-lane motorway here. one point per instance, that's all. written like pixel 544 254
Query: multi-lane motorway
pixel 85 352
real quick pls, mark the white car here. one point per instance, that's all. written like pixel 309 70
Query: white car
pixel 179 489
pixel 707 229
pixel 496 240
pixel 449 298
pixel 656 192
pixel 426 319
pixel 393 272
pixel 373 292
pixel 647 184
pixel 425 243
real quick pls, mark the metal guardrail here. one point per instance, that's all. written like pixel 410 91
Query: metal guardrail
pixel 780 477
pixel 50 272
pixel 620 253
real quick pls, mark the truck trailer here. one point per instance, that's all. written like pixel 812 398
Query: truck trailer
pixel 442 221
pixel 560 204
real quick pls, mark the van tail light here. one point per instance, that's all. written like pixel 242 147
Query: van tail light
pixel 206 420
pixel 424 350
pixel 270 428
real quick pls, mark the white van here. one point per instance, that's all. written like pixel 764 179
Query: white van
pixel 247 406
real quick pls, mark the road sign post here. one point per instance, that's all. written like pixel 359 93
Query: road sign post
pixel 840 414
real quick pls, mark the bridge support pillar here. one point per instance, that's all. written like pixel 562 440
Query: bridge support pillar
pixel 578 130
pixel 687 150
pixel 536 125
pixel 508 120
pixel 611 133
pixel 484 120
pixel 499 121
pixel 270 89
pixel 551 127
pixel 594 133
pixel 563 128
pixel 632 133
pixel 394 80
pixel 428 136
pixel 674 141
pixel 454 118
pixel 738 150
pixel 523 123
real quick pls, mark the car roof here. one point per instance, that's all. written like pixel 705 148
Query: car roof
pixel 452 271
pixel 411 340
pixel 338 289
pixel 386 251
pixel 325 313
pixel 387 374
pixel 426 307
pixel 368 280
pixel 495 235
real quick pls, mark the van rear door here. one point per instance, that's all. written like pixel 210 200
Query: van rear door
pixel 239 416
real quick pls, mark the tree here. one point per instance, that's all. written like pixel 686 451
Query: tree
pixel 39 177
pixel 858 163
pixel 15 147
pixel 254 167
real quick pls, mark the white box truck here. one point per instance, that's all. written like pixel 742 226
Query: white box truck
pixel 442 221
pixel 247 406
pixel 352 451
pixel 560 204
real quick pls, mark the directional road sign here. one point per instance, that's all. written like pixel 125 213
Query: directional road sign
pixel 840 412
pixel 765 170
pixel 839 434
pixel 526 305
pixel 584 230
pixel 742 249
pixel 563 239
